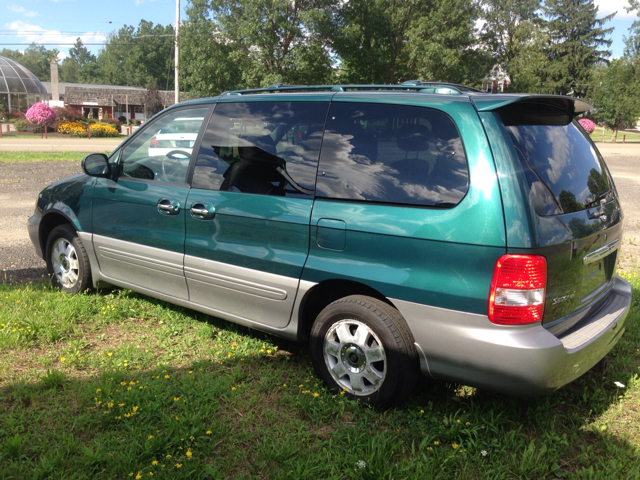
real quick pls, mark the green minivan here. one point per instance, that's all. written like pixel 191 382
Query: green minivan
pixel 419 228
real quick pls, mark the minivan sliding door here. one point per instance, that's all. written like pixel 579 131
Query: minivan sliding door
pixel 248 211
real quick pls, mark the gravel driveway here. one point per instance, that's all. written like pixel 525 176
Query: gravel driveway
pixel 20 183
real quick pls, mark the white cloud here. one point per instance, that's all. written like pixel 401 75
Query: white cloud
pixel 24 11
pixel 605 7
pixel 61 56
pixel 38 35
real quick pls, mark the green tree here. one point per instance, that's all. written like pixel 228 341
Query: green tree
pixel 270 41
pixel 510 30
pixel 575 45
pixel 527 68
pixel 80 65
pixel 616 96
pixel 388 41
pixel 152 99
pixel 207 65
pixel 443 43
pixel 36 58
pixel 134 57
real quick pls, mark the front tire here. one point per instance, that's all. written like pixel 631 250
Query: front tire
pixel 364 347
pixel 67 260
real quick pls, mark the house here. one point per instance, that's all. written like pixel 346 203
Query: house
pixel 496 81
pixel 97 101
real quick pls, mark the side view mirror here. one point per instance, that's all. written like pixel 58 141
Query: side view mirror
pixel 96 165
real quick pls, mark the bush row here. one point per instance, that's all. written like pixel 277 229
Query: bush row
pixel 78 129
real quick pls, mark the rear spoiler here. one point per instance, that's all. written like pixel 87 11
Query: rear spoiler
pixel 568 105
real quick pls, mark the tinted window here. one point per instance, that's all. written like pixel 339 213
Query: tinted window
pixel 564 172
pixel 156 155
pixel 392 154
pixel 268 148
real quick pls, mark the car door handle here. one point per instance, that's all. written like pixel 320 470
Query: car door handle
pixel 202 211
pixel 166 206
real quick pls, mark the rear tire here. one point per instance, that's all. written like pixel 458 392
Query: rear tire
pixel 363 346
pixel 67 260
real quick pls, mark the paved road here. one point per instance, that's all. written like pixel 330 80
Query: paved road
pixel 86 145
pixel 21 182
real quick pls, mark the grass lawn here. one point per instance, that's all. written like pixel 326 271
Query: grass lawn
pixel 41 156
pixel 116 385
pixel 596 136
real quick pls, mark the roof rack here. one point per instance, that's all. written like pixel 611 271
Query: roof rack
pixel 412 85
pixel 455 86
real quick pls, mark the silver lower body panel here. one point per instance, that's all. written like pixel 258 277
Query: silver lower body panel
pixel 520 360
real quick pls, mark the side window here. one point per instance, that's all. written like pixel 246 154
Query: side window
pixel 162 151
pixel 392 154
pixel 266 148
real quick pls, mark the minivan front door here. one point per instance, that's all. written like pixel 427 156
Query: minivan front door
pixel 139 215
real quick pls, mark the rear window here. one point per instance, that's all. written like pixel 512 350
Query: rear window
pixel 564 172
pixel 392 154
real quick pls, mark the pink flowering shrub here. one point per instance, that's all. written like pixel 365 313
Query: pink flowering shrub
pixel 41 114
pixel 587 124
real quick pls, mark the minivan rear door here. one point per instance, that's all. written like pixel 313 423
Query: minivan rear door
pixel 560 202
pixel 249 207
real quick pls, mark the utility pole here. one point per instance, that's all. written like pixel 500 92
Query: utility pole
pixel 177 86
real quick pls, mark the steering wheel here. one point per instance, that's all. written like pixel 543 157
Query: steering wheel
pixel 169 169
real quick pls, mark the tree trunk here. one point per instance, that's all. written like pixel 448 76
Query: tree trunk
pixel 614 135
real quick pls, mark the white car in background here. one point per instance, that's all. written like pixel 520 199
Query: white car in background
pixel 179 135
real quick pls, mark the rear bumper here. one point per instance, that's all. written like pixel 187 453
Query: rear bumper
pixel 527 360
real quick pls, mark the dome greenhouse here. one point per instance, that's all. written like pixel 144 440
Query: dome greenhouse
pixel 19 88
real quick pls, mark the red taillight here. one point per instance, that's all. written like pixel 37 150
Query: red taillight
pixel 154 142
pixel 518 289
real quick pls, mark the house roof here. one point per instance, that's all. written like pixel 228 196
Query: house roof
pixel 79 93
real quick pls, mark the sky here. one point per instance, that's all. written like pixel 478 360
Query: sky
pixel 57 23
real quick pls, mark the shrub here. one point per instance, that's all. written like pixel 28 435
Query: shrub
pixel 22 125
pixel 10 115
pixel 114 123
pixel 103 130
pixel 41 114
pixel 122 119
pixel 588 125
pixel 66 114
pixel 73 128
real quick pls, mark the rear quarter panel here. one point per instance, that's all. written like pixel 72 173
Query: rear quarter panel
pixel 434 256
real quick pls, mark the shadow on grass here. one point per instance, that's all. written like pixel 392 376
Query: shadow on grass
pixel 265 415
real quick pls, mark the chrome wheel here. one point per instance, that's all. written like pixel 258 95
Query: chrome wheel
pixel 354 356
pixel 64 260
